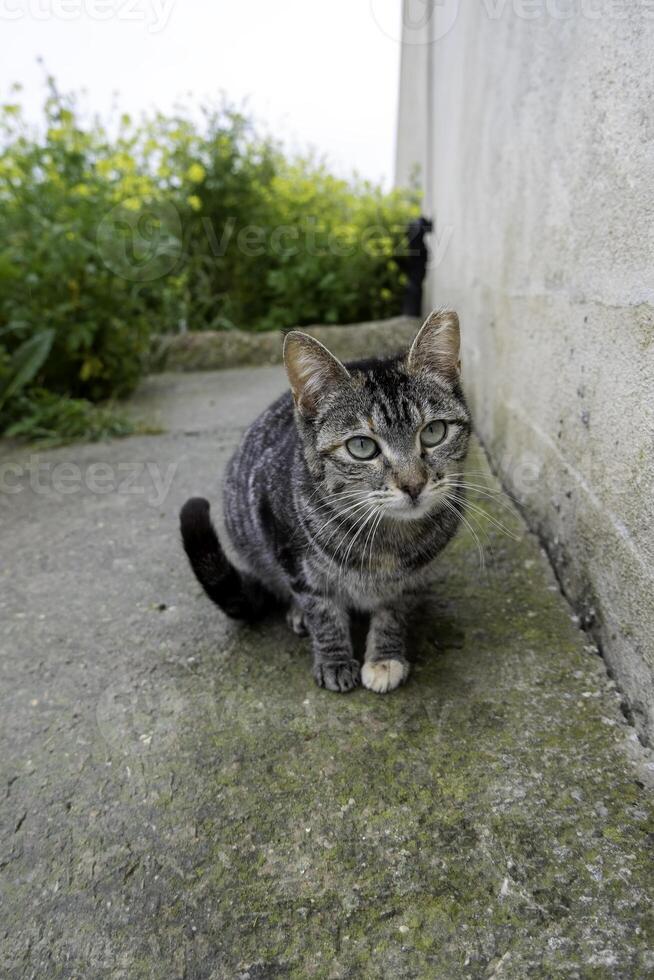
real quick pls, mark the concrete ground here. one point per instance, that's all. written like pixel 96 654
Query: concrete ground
pixel 180 801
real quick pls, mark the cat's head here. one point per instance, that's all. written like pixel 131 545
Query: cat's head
pixel 394 432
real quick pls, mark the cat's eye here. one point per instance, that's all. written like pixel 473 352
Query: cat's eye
pixel 361 447
pixel 433 434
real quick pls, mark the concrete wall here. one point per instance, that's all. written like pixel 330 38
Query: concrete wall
pixel 540 174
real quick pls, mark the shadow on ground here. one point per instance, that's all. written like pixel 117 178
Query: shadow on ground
pixel 180 801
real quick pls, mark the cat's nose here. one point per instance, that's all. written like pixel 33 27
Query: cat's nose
pixel 412 487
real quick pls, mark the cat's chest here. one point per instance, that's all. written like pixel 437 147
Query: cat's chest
pixel 382 581
pixel 369 592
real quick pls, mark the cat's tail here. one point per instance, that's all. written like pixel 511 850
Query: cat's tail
pixel 238 594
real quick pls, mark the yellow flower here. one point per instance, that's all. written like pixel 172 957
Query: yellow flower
pixel 123 161
pixel 196 173
pixel 195 202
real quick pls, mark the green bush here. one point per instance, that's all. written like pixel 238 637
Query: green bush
pixel 108 237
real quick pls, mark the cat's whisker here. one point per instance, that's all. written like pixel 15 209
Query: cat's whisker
pixel 354 498
pixel 329 501
pixel 355 521
pixel 476 486
pixel 368 505
pixel 361 525
pixel 337 504
pixel 329 495
pixel 473 515
pixel 356 517
pixel 336 550
pixel 348 512
pixel 489 517
pixel 365 545
pixel 350 496
pixel 477 479
pixel 479 526
pixel 347 536
pixel 457 512
pixel 482 475
pixel 494 496
pixel 382 511
pixel 373 511
pixel 477 475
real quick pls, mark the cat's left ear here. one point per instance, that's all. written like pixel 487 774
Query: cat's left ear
pixel 437 346
pixel 312 371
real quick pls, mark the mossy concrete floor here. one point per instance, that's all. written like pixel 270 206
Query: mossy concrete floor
pixel 180 801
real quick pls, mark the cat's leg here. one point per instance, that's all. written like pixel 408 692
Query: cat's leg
pixel 295 619
pixel 334 666
pixel 386 666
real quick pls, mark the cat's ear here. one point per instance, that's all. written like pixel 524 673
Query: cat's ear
pixel 437 346
pixel 312 371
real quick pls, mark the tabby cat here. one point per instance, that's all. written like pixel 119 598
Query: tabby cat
pixel 339 498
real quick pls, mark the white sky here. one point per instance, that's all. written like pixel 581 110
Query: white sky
pixel 316 73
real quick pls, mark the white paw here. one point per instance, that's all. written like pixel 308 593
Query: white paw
pixel 384 675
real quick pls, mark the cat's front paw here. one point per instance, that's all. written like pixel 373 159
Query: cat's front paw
pixel 382 676
pixel 337 675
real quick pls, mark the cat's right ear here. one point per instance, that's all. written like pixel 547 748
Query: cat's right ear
pixel 312 371
pixel 437 346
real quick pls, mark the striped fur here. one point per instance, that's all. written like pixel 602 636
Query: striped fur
pixel 326 534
